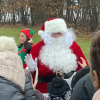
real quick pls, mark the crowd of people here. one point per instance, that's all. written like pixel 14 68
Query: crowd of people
pixel 56 65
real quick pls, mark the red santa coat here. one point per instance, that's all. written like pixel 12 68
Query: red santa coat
pixel 43 70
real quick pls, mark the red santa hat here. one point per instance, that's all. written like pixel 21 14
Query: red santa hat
pixel 53 25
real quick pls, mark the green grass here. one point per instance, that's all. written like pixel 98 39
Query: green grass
pixel 15 32
pixel 85 46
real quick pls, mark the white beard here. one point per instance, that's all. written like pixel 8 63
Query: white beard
pixel 57 56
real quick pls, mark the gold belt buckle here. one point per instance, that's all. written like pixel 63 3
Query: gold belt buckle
pixel 60 74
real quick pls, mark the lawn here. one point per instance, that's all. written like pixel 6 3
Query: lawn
pixel 14 32
pixel 85 46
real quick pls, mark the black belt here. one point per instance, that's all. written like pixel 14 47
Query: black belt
pixel 46 79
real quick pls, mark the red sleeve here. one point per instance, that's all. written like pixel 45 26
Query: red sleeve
pixel 36 49
pixel 32 45
pixel 24 66
pixel 35 53
pixel 78 52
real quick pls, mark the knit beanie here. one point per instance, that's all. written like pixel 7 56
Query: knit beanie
pixel 58 89
pixel 8 44
pixel 28 32
pixel 11 66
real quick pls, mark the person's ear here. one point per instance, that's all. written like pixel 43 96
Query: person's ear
pixel 95 80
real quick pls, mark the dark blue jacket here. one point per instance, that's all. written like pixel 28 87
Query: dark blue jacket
pixel 10 91
pixel 83 89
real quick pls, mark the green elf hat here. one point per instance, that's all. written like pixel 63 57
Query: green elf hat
pixel 28 32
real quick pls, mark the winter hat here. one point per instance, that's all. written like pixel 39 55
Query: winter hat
pixel 53 25
pixel 58 89
pixel 27 32
pixel 8 44
pixel 96 95
pixel 11 66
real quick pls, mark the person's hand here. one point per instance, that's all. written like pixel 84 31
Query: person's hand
pixel 32 65
pixel 83 64
pixel 30 41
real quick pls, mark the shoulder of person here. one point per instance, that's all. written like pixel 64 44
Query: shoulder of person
pixel 82 89
pixel 74 45
pixel 38 45
pixel 79 74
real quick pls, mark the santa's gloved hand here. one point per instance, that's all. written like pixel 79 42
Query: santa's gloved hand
pixel 32 65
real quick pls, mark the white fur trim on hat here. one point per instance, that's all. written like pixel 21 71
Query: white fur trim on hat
pixel 8 44
pixel 54 26
pixel 40 32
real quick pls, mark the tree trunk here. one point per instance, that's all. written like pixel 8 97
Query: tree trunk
pixel 32 20
pixel 22 15
pixel 13 17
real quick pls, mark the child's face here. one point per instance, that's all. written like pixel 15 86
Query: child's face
pixel 22 38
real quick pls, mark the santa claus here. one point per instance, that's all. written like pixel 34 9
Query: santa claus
pixel 56 52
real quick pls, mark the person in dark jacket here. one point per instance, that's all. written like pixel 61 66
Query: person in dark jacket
pixel 30 93
pixel 82 84
pixel 12 76
pixel 9 90
pixel 83 89
pixel 15 82
pixel 95 64
pixel 94 68
pixel 79 74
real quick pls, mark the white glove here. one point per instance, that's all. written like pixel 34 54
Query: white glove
pixel 32 65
